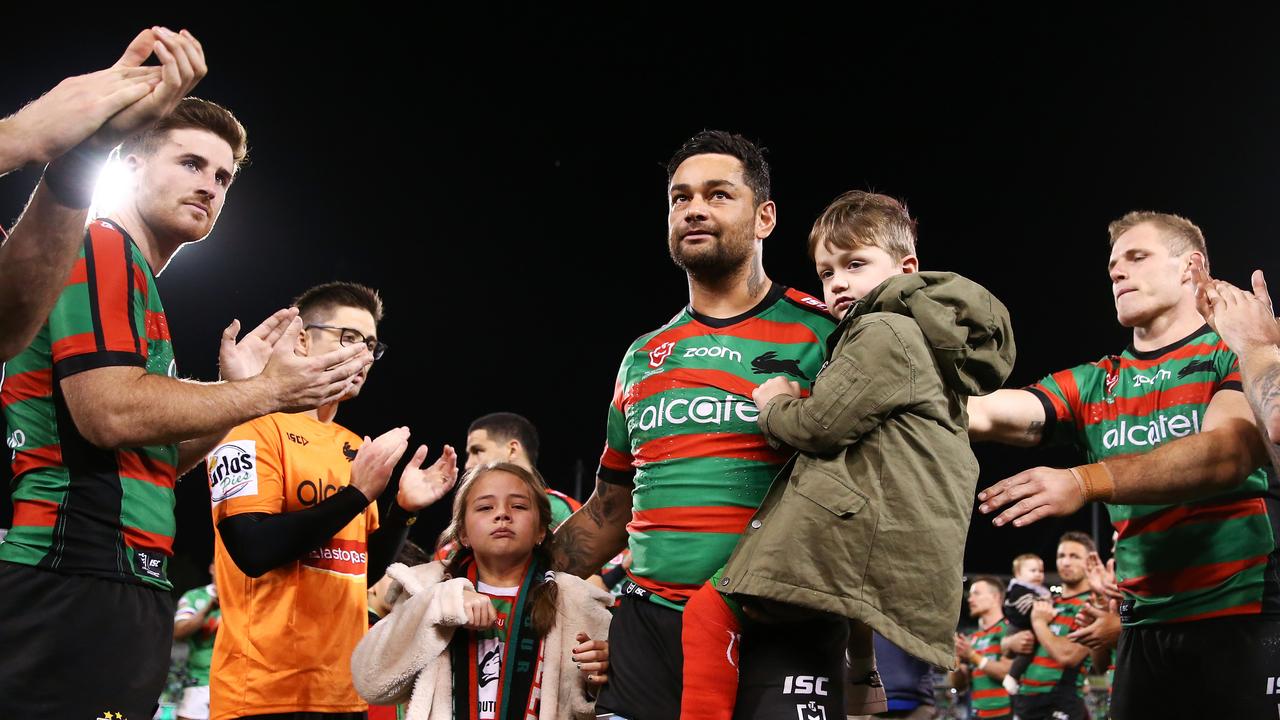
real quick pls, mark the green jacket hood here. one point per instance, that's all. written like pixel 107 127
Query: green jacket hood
pixel 967 327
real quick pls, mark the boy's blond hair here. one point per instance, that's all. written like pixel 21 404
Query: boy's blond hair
pixel 1017 562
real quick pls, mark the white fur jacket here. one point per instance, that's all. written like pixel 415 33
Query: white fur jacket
pixel 405 655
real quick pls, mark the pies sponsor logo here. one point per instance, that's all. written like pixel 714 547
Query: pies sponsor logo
pixel 233 471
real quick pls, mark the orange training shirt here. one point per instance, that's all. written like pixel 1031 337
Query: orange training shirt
pixel 286 638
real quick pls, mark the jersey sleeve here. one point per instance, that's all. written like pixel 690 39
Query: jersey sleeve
pixel 188 605
pixel 1060 395
pixel 99 319
pixel 1226 367
pixel 616 460
pixel 246 472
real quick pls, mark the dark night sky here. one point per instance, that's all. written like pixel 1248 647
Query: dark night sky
pixel 499 178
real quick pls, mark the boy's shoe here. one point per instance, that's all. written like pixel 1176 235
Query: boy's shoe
pixel 1010 685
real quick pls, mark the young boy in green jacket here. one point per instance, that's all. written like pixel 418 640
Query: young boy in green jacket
pixel 869 519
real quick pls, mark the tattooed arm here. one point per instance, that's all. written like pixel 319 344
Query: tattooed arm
pixel 595 533
pixel 1011 417
pixel 1261 375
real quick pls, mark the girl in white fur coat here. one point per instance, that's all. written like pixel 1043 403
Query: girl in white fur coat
pixel 495 631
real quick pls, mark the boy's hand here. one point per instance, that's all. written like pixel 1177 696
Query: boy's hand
pixel 772 388
pixel 1043 611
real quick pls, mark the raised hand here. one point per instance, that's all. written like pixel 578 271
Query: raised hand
pixel 182 66
pixel 75 108
pixel 241 360
pixel 297 382
pixel 375 460
pixel 419 486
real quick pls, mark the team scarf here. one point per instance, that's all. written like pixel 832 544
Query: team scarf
pixel 519 655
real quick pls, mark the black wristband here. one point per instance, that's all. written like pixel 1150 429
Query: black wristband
pixel 71 177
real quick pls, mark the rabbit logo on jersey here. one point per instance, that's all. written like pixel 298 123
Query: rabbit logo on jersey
pixel 233 471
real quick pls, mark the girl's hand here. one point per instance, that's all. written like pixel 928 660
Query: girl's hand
pixel 592 659
pixel 480 612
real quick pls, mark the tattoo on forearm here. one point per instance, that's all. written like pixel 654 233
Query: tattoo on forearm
pixel 1264 392
pixel 585 541
pixel 570 552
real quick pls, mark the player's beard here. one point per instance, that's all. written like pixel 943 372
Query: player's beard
pixel 1073 577
pixel 731 249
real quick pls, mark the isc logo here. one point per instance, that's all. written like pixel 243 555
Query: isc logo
pixel 804 685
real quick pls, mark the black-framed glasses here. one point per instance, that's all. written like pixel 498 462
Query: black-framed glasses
pixel 351 336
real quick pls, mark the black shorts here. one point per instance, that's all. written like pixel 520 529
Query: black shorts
pixel 1050 706
pixel 1224 667
pixel 77 647
pixel 786 669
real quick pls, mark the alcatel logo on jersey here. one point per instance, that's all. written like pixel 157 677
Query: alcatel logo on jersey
pixel 1153 433
pixel 660 353
pixel 703 410
pixel 232 471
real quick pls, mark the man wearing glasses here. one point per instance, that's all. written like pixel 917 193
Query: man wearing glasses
pixel 294 505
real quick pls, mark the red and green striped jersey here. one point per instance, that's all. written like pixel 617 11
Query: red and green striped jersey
pixel 79 509
pixel 562 506
pixel 989 697
pixel 1180 562
pixel 682 428
pixel 1046 674
pixel 200 643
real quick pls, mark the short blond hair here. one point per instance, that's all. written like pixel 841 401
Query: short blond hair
pixel 863 219
pixel 1180 235
pixel 1024 557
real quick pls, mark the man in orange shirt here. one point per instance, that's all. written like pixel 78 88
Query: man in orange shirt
pixel 293 502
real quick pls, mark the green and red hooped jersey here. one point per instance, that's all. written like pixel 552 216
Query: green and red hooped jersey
pixel 1180 562
pixel 199 644
pixel 682 430
pixel 79 509
pixel 990 700
pixel 1045 674
pixel 562 506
